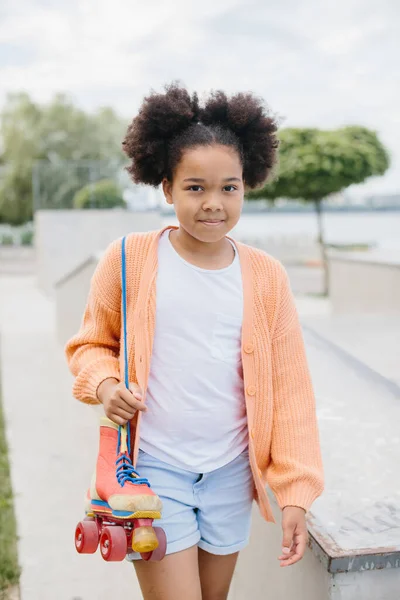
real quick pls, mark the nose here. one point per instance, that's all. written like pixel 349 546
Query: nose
pixel 212 203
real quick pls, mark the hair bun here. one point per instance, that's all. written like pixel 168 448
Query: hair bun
pixel 161 117
pixel 250 120
pixel 237 113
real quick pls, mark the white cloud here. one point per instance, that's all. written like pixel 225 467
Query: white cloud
pixel 316 64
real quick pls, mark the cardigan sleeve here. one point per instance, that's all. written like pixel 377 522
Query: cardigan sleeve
pixel 295 472
pixel 93 352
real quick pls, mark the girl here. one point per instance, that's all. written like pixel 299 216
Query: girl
pixel 221 401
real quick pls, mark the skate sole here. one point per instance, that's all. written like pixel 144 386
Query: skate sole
pixel 99 507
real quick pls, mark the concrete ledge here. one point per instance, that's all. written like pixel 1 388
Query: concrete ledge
pixel 353 361
pixel 93 259
pixel 387 258
pixel 335 560
pixel 70 294
pixel 64 238
pixel 365 282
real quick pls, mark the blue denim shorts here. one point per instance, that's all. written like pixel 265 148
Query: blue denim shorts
pixel 212 511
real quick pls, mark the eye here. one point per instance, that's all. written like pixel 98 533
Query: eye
pixel 232 188
pixel 195 188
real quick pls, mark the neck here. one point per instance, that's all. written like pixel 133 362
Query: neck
pixel 189 244
pixel 214 255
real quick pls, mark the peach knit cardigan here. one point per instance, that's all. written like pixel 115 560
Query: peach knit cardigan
pixel 283 434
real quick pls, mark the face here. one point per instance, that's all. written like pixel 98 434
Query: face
pixel 207 192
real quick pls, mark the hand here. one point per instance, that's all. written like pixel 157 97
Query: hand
pixel 120 404
pixel 295 535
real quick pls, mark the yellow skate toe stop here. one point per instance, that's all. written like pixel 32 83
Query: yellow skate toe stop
pixel 144 539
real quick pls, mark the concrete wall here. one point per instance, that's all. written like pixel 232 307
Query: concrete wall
pixel 290 249
pixel 65 238
pixel 364 283
pixel 366 585
pixel 258 574
pixel 70 299
pixel 17 260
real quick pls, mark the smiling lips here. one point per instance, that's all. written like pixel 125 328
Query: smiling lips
pixel 212 223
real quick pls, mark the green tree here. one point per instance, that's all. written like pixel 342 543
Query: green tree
pixel 102 194
pixel 56 132
pixel 315 164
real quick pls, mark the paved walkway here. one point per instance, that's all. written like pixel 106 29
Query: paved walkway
pixel 52 441
pixel 371 339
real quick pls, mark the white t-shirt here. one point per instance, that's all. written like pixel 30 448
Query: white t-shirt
pixel 196 418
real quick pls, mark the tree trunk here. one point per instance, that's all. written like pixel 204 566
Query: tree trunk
pixel 321 242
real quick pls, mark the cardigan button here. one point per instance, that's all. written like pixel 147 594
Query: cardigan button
pixel 249 348
pixel 251 390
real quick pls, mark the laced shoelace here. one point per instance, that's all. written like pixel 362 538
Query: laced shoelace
pixel 126 471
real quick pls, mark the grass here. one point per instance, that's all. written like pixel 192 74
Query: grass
pixel 9 568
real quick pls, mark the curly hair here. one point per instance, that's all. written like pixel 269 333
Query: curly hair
pixel 170 123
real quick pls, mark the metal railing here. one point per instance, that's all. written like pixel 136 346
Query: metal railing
pixel 54 184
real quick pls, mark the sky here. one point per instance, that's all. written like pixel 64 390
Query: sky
pixel 315 63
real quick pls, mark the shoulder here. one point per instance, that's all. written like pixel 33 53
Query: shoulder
pixel 139 244
pixel 136 243
pixel 106 281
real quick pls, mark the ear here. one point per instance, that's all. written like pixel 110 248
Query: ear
pixel 167 189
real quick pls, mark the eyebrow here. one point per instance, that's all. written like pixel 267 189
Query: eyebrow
pixel 199 180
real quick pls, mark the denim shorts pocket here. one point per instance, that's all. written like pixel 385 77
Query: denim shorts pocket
pixel 145 459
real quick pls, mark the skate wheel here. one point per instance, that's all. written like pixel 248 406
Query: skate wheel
pixel 86 537
pixel 144 540
pixel 146 556
pixel 113 544
pixel 159 553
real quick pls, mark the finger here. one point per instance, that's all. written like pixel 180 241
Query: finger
pixel 287 540
pixel 291 561
pixel 136 391
pixel 126 414
pixel 128 395
pixel 301 544
pixel 299 548
pixel 117 419
pixel 120 404
pixel 132 400
pixel 289 555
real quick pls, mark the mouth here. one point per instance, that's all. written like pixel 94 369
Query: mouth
pixel 212 222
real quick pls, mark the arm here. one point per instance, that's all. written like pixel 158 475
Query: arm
pixel 295 472
pixel 93 353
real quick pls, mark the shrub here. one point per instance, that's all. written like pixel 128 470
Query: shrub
pixel 9 569
pixel 6 239
pixel 26 238
pixel 102 194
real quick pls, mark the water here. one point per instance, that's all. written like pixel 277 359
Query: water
pixel 376 228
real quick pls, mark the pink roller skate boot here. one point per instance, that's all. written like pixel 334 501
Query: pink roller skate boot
pixel 116 486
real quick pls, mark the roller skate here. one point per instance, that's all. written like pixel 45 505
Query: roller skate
pixel 120 505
